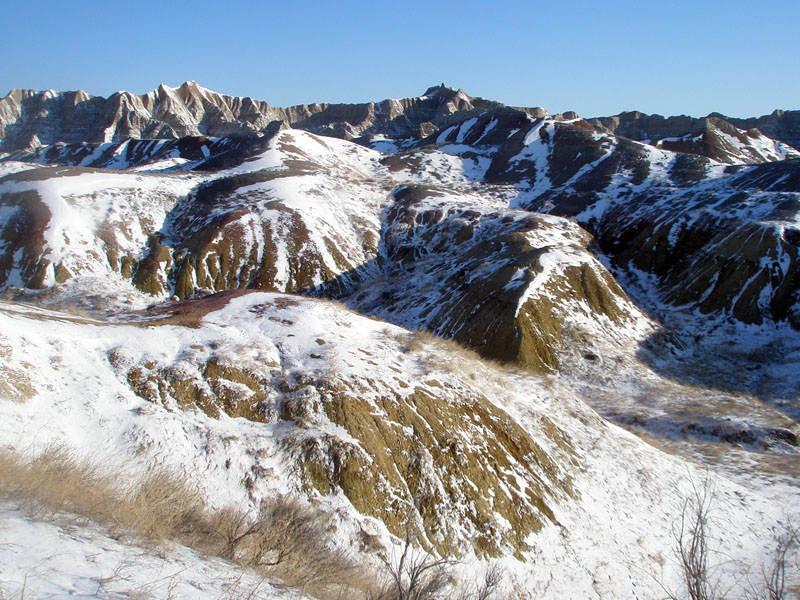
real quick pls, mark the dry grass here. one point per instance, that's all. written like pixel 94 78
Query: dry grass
pixel 436 353
pixel 440 353
pixel 284 539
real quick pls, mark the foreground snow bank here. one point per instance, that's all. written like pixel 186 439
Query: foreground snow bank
pixel 70 558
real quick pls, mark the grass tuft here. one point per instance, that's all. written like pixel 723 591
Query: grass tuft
pixel 284 539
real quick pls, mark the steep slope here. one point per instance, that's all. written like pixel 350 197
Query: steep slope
pixel 659 284
pixel 150 155
pixel 253 394
pixel 302 213
pixel 285 212
pixel 66 222
pixel 508 283
pixel 37 125
pixel 716 238
pixel 783 125
pixel 721 141
pixel 667 214
pixel 701 136
pixel 30 119
pixel 296 212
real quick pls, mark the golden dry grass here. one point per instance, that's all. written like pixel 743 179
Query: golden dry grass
pixel 284 540
pixel 436 353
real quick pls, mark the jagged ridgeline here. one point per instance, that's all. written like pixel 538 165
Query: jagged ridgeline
pixel 427 211
pixel 30 119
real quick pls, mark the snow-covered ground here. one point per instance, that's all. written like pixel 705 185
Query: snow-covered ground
pixel 67 557
pixel 612 538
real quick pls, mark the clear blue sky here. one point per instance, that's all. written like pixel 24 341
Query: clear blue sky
pixel 598 58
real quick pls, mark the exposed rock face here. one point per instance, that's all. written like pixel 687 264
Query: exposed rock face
pixel 255 230
pixel 283 210
pixel 133 153
pixel 503 282
pixel 393 443
pixel 293 212
pixel 22 234
pixel 66 222
pixel 300 213
pixel 495 227
pixel 721 141
pixel 641 127
pixel 719 137
pixel 783 125
pixel 30 119
pixel 716 238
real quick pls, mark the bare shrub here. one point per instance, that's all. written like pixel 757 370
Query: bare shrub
pixel 414 341
pixel 486 586
pixel 692 544
pixel 416 574
pixel 162 506
pixel 697 560
pixel 230 527
pixel 291 540
pixel 55 481
pixel 784 556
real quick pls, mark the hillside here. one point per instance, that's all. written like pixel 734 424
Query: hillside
pixel 260 394
pixel 525 335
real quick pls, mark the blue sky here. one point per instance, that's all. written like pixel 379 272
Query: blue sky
pixel 597 58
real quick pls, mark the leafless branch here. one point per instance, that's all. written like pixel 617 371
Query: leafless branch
pixel 691 543
pixel 417 574
pixel 773 585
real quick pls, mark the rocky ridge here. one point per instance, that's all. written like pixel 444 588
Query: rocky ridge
pixel 780 125
pixel 305 214
pixel 31 119
pixel 238 218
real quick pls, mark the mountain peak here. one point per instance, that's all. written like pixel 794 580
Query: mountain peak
pixel 444 91
pixel 192 85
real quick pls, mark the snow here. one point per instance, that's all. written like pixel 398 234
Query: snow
pixel 132 206
pixel 756 149
pixel 94 155
pixel 385 145
pixel 553 261
pixel 13 166
pixel 492 124
pixel 81 205
pixel 536 151
pixel 627 490
pixel 611 538
pixel 464 129
pixel 445 134
pixel 166 165
pixel 608 145
pixel 69 558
